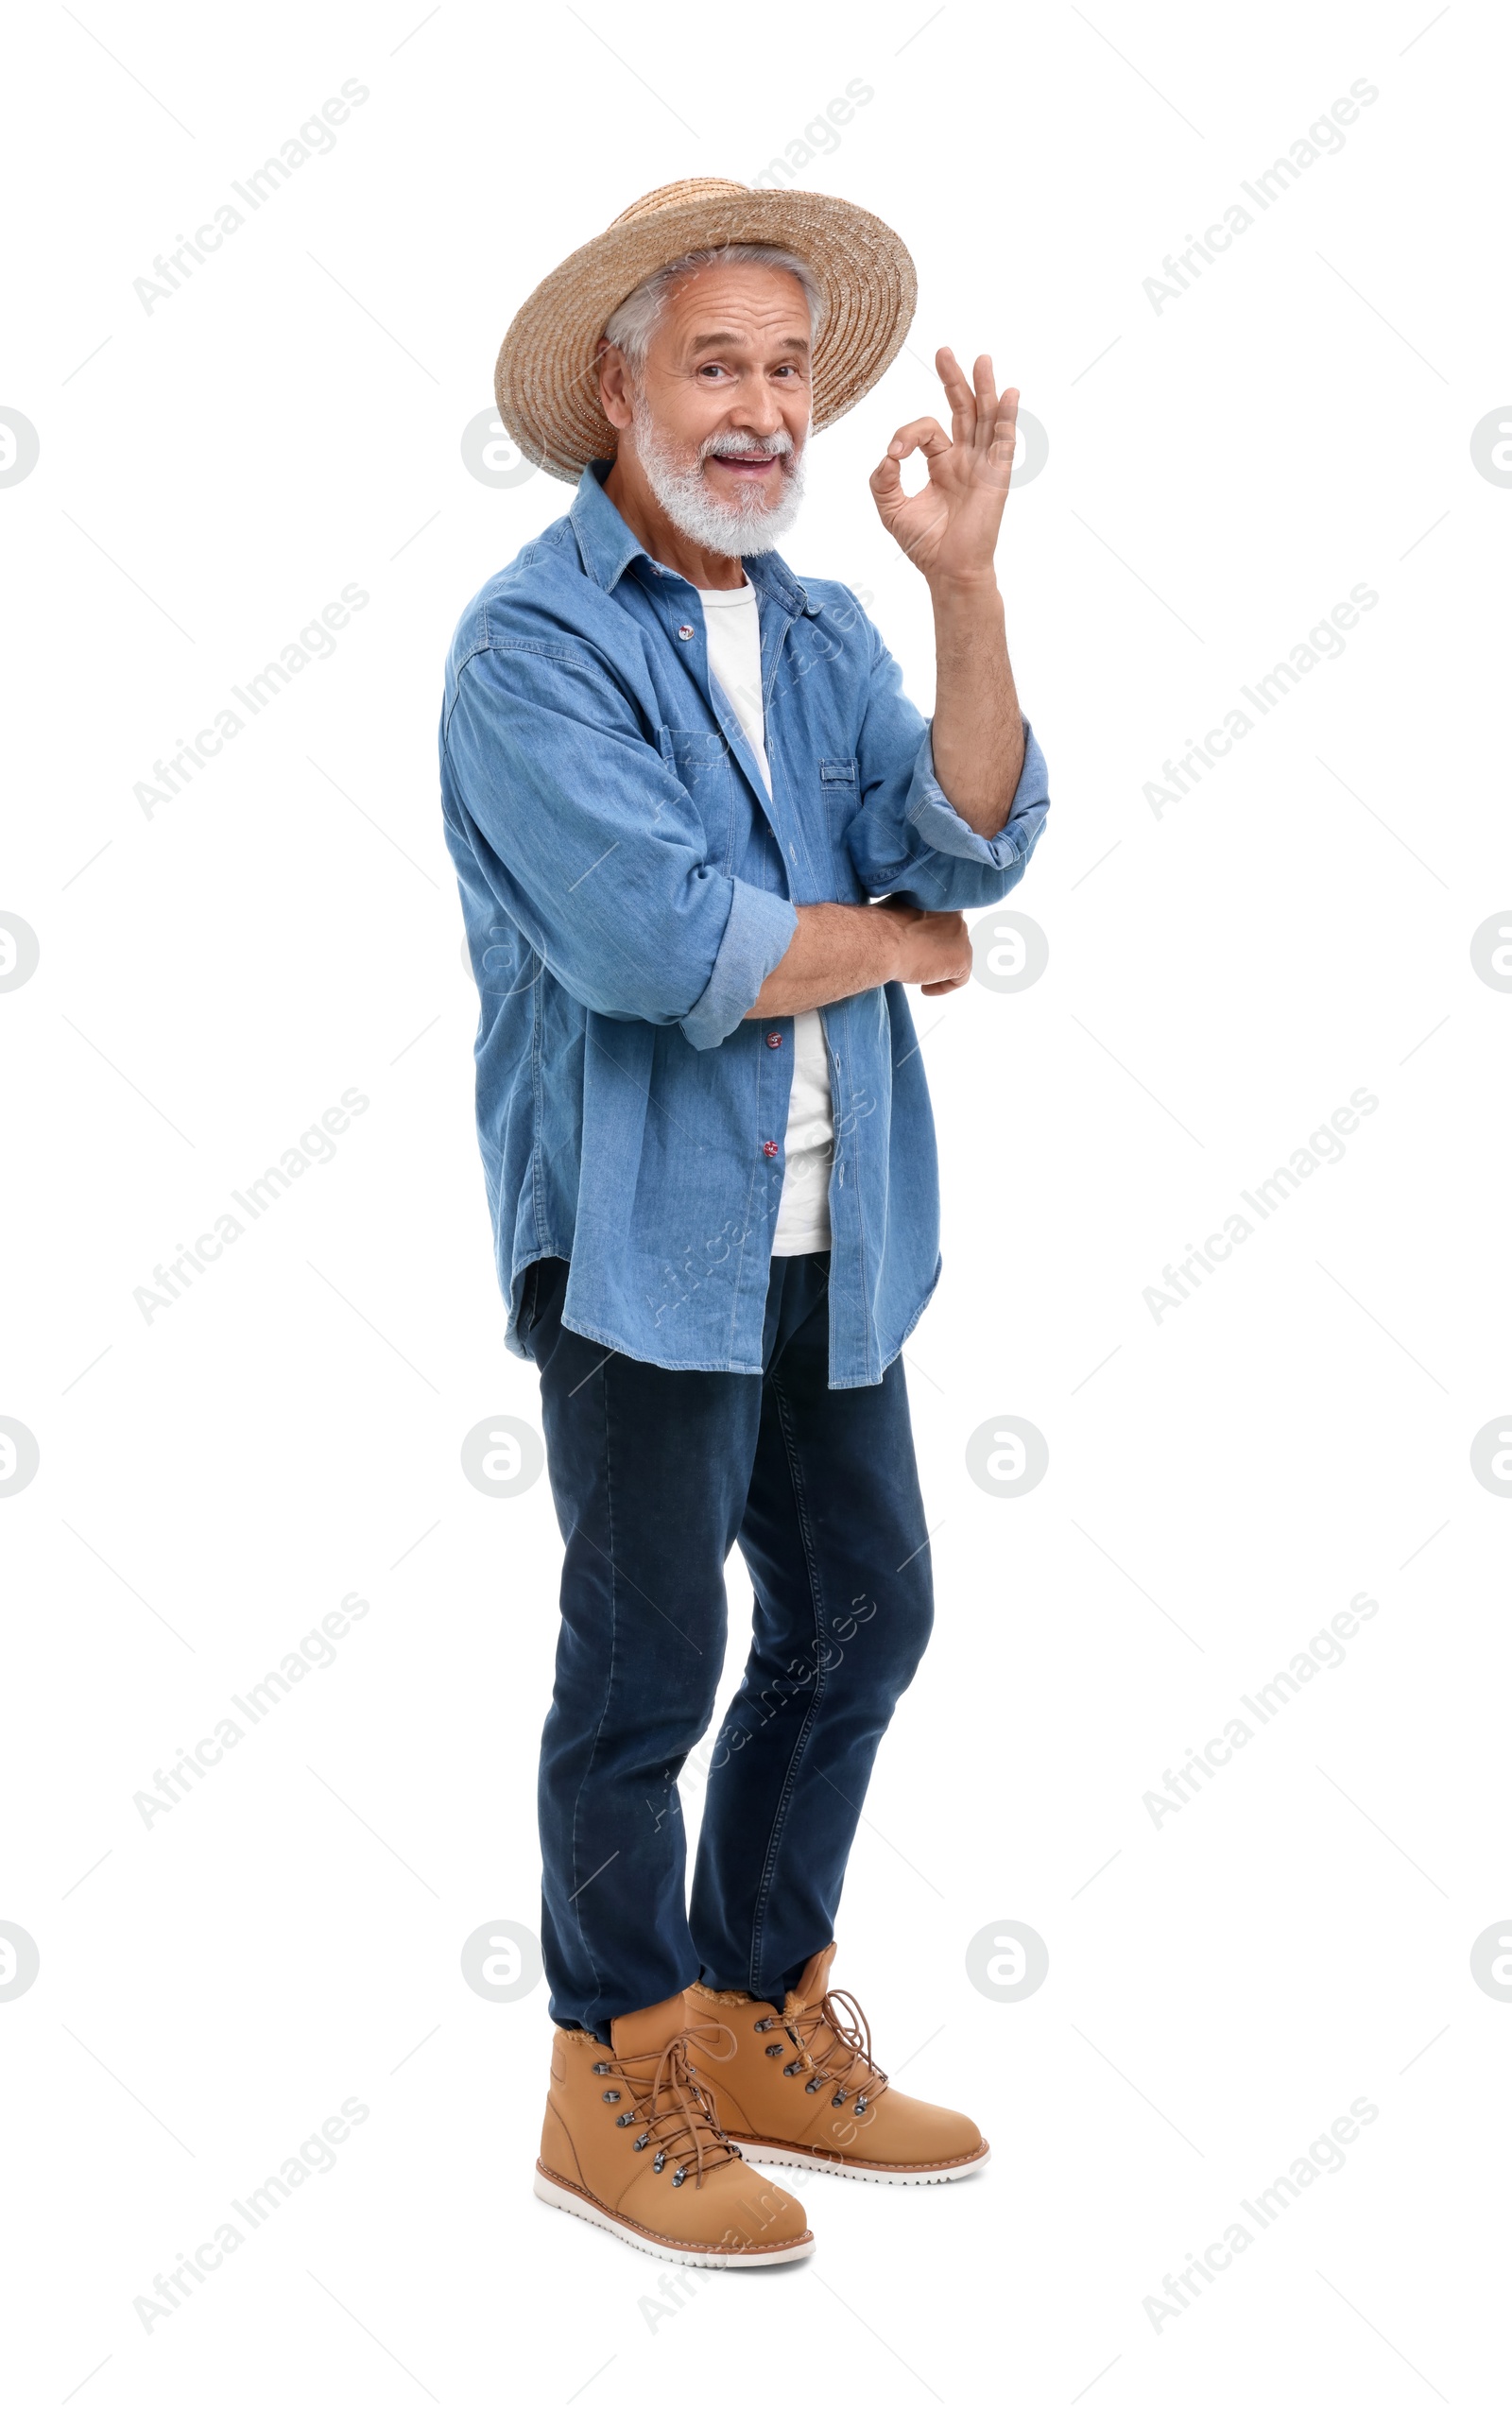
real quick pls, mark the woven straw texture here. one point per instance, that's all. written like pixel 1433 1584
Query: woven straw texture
pixel 546 380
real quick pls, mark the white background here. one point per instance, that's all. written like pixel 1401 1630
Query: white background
pixel 1221 1481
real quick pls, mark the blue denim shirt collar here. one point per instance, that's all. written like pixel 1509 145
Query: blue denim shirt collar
pixel 609 546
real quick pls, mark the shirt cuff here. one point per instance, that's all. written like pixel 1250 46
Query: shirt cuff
pixel 758 933
pixel 930 811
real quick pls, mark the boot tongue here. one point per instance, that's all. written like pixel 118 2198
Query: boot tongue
pixel 646 2029
pixel 813 1982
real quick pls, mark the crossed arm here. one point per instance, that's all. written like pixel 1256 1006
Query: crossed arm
pixel 840 949
pixel 977 740
pixel 948 530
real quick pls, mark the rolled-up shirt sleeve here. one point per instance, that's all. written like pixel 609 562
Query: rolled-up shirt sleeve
pixel 758 933
pixel 595 850
pixel 908 838
pixel 929 810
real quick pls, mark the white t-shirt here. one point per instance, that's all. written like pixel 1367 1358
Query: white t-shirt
pixel 733 629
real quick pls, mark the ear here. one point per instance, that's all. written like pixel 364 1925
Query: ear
pixel 613 386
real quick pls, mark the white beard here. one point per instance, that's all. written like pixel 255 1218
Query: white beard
pixel 744 525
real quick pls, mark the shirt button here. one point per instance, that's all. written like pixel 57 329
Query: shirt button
pixel 774 1037
pixel 684 631
pixel 770 1148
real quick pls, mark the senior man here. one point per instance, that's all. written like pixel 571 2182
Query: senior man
pixel 704 844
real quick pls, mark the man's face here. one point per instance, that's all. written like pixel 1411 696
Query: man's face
pixel 719 417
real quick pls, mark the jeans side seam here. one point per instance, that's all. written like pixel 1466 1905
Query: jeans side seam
pixel 608 1689
pixel 790 1779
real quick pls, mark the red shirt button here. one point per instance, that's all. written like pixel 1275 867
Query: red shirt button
pixel 770 1148
pixel 774 1037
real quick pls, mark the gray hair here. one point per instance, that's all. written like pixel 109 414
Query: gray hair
pixel 632 326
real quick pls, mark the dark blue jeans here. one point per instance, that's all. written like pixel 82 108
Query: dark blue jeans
pixel 656 1475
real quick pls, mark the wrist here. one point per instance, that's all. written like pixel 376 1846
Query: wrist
pixel 892 931
pixel 970 590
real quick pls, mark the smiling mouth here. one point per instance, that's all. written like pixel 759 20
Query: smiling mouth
pixel 745 464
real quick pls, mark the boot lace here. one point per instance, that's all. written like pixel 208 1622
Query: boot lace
pixel 674 2107
pixel 832 2042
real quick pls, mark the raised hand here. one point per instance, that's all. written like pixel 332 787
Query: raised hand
pixel 950 529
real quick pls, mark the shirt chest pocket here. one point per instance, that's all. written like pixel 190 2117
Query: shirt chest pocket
pixel 699 758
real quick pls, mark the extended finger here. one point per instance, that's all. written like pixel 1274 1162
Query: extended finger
pixel 987 399
pixel 1005 428
pixel 958 394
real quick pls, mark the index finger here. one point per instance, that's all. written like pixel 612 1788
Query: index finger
pixel 920 435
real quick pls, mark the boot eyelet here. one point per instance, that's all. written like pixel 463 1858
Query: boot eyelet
pixel 762 2025
pixel 838 2102
pixel 795 2068
pixel 641 2145
pixel 860 2104
pixel 814 2085
pixel 658 2162
pixel 626 2117
pixel 775 2049
pixel 678 2179
pixel 603 2068
pixel 611 2095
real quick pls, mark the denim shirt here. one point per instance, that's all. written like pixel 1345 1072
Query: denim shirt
pixel 626 887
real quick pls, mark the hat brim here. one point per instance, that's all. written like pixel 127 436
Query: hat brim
pixel 546 379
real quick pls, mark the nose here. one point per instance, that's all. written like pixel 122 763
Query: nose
pixel 758 411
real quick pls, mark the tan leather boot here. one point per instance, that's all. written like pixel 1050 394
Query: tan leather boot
pixel 803 2089
pixel 630 2143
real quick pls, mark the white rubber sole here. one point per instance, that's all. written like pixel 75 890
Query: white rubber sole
pixel 775 2155
pixel 576 2204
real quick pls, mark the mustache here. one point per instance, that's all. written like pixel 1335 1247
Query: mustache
pixel 777 446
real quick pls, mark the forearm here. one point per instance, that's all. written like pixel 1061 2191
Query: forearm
pixel 840 950
pixel 977 731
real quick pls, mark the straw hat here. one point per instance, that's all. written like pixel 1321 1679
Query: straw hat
pixel 546 380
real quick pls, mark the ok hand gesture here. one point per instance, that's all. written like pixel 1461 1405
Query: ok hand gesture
pixel 950 529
